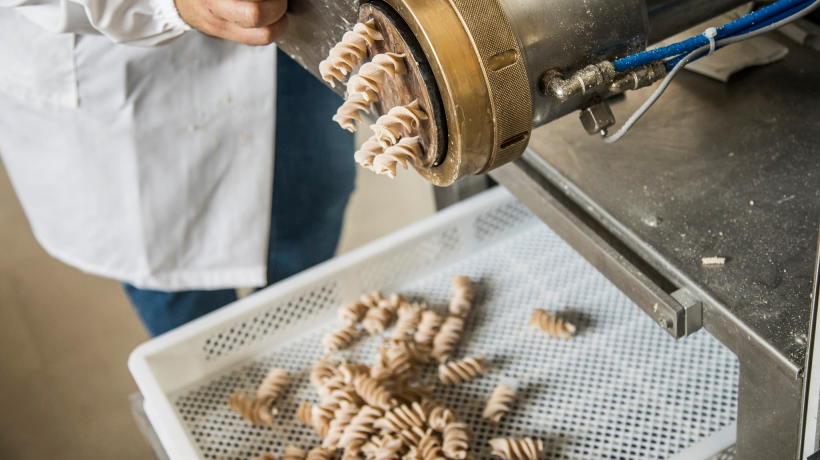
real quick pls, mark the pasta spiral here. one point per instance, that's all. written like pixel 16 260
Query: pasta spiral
pixel 517 449
pixel 360 428
pixel 388 127
pixel 340 338
pixel 323 370
pixel 427 329
pixel 274 384
pixel 412 437
pixel 408 150
pixel 342 396
pixel 552 325
pixel 368 152
pixel 303 413
pixel 455 440
pixel 456 372
pixel 444 344
pixel 320 418
pixel 341 419
pixel 402 418
pixel 350 111
pixel 350 314
pixel 369 80
pixel 337 382
pixel 346 54
pixel 319 453
pixel 383 448
pixel 499 403
pixel 409 316
pixel 462 299
pixel 294 453
pixel 376 320
pixel 438 417
pixel 259 412
pixel 373 392
pixel 399 360
pixel 428 448
pixel 372 299
pixel 349 372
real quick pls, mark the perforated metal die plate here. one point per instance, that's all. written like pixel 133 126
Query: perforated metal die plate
pixel 620 389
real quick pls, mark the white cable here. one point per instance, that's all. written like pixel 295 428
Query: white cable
pixel 680 65
pixel 711 33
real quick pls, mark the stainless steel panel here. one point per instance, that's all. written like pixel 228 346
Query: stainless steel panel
pixel 714 169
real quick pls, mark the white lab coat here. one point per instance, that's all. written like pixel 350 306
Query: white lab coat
pixel 148 164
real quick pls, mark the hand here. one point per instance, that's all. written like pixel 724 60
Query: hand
pixel 251 22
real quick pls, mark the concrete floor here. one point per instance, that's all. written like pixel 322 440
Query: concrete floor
pixel 65 336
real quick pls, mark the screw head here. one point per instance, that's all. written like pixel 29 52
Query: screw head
pixel 663 324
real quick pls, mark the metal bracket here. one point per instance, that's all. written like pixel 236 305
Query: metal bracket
pixel 693 310
pixel 679 313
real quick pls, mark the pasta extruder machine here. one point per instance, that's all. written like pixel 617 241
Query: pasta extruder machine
pixel 715 170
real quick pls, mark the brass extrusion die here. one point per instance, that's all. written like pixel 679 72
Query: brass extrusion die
pixel 471 48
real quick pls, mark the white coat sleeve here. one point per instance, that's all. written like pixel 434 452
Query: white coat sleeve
pixel 133 22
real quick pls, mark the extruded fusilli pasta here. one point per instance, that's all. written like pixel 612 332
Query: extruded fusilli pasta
pixel 462 299
pixel 388 127
pixel 360 429
pixel 402 418
pixel 340 338
pixel 274 384
pixel 370 79
pixel 445 342
pixel 257 411
pixel 455 440
pixel 427 329
pixel 352 313
pixel 408 150
pixel 323 370
pixel 456 372
pixel 552 325
pixel 517 449
pixel 373 392
pixel 346 54
pixel 340 422
pixel 383 448
pixel 409 316
pixel 499 403
pixel 351 110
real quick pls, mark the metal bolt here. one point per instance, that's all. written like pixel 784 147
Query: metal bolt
pixel 597 118
pixel 663 324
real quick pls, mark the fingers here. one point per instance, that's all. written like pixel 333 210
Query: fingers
pixel 259 36
pixel 250 14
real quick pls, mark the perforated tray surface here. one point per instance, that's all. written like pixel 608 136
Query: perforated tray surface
pixel 621 389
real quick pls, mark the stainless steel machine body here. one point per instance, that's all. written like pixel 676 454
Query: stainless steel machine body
pixel 642 212
pixel 488 57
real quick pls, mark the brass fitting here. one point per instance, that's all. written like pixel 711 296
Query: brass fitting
pixel 479 70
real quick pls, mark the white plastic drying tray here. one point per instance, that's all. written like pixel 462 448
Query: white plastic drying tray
pixel 620 389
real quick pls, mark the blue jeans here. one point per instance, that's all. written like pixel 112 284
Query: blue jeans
pixel 314 175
